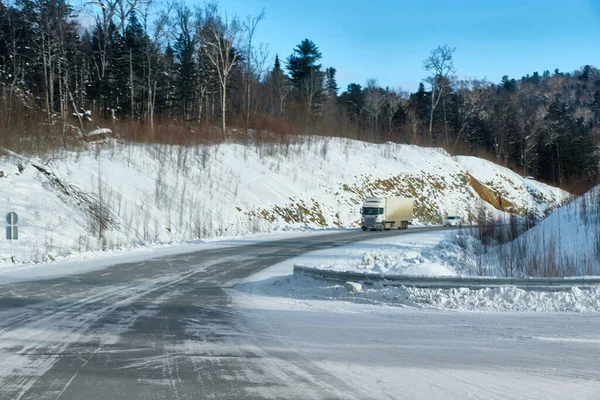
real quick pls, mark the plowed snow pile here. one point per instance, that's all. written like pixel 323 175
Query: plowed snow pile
pixel 492 299
pixel 416 254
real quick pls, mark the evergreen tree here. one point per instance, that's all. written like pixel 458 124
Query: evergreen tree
pixel 509 85
pixel 278 87
pixel 353 101
pixel 185 65
pixel 306 75
pixel 331 85
pixel 423 100
pixel 134 61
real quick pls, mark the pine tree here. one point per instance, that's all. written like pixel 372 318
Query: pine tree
pixel 330 82
pixel 278 87
pixel 185 64
pixel 134 44
pixel 353 100
pixel 306 76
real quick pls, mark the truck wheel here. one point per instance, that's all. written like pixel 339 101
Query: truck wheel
pixel 364 228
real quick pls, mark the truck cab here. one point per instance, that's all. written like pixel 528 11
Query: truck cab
pixel 372 213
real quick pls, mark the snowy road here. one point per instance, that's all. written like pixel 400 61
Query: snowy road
pixel 174 328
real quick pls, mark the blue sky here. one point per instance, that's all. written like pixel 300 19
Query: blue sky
pixel 388 40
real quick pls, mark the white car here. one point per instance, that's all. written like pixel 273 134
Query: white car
pixel 453 220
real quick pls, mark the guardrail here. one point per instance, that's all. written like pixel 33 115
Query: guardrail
pixel 542 284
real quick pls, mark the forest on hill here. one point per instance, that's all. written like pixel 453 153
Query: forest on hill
pixel 180 75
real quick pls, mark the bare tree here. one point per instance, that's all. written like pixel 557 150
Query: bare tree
pixel 260 57
pixel 393 100
pixel 222 40
pixel 374 101
pixel 533 107
pixel 279 88
pixel 441 66
pixel 159 31
pixel 473 98
pixel 108 10
pixel 250 28
pixel 311 91
pixel 414 122
pixel 187 38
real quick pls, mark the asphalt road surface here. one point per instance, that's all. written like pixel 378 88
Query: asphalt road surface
pixel 166 329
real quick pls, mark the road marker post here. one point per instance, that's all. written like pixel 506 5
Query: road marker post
pixel 12 231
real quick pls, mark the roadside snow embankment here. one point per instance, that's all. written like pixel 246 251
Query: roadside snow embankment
pixel 419 254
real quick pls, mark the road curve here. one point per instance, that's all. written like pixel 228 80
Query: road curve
pixel 153 329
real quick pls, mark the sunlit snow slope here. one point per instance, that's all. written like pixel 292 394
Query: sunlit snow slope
pixel 121 194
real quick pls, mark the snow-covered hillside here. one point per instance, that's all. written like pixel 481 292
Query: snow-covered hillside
pixel 508 190
pixel 568 241
pixel 121 194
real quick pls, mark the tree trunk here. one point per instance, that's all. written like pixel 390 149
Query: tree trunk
pixel 445 123
pixel 74 107
pixel 131 83
pixel 152 108
pixel 62 104
pixel 248 102
pixel 47 91
pixel 431 114
pixel 431 126
pixel 559 166
pixel 224 108
pixel 51 78
pixel 201 100
pixel 150 100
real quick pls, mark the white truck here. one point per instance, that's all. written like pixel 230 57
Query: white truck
pixel 386 213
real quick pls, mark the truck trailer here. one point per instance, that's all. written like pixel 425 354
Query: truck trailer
pixel 379 213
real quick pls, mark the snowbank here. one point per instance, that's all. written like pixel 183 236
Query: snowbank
pixel 505 299
pixel 414 254
pixel 419 254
